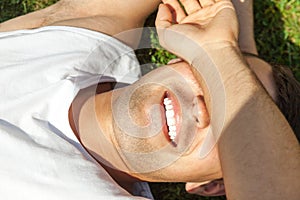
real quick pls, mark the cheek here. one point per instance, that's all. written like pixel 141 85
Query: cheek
pixel 144 111
pixel 144 103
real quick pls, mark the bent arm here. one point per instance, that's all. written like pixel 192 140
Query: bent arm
pixel 106 16
pixel 259 152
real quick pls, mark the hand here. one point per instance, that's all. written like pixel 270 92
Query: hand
pixel 205 23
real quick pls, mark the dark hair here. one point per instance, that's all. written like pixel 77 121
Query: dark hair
pixel 288 96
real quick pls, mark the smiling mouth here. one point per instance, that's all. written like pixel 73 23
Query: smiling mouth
pixel 171 118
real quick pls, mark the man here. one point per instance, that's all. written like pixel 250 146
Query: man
pixel 156 153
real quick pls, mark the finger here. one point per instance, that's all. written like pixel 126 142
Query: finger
pixel 164 17
pixel 212 11
pixel 191 6
pixel 176 9
pixel 162 22
pixel 206 3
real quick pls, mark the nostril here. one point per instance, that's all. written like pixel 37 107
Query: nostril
pixel 199 112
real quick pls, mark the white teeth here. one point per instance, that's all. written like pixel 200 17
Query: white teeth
pixel 169 107
pixel 170 116
pixel 171 121
pixel 172 128
pixel 170 113
pixel 167 101
pixel 172 134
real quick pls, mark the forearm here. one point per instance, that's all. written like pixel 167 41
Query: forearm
pixel 85 13
pixel 258 150
pixel 244 11
pixel 259 153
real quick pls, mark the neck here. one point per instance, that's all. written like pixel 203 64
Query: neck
pixel 96 135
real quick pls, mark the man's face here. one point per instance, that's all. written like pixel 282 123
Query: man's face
pixel 160 123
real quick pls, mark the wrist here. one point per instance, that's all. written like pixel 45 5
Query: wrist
pixel 222 63
pixel 226 80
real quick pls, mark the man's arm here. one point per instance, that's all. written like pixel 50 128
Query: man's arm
pixel 258 150
pixel 106 16
pixel 131 11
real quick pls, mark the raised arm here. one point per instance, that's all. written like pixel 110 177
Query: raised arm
pixel 107 16
pixel 258 151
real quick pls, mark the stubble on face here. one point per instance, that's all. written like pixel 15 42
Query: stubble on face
pixel 138 121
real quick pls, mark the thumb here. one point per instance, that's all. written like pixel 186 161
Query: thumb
pixel 162 22
pixel 173 36
pixel 164 17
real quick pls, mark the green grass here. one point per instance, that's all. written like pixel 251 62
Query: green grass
pixel 13 8
pixel 277 25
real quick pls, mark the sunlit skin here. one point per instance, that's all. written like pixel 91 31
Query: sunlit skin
pixel 94 119
pixel 185 156
pixel 144 98
pixel 188 167
pixel 238 174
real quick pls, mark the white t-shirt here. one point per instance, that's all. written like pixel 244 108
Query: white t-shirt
pixel 41 71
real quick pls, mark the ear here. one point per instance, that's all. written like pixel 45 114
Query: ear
pixel 212 188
